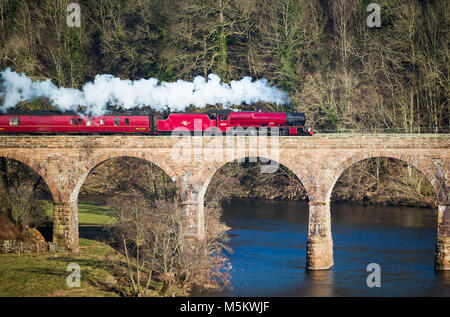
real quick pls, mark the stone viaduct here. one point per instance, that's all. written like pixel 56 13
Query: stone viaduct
pixel 65 161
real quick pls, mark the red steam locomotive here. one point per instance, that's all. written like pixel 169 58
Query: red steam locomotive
pixel 138 122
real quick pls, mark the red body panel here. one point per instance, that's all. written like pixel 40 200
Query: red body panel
pixel 186 121
pixel 255 119
pixel 292 131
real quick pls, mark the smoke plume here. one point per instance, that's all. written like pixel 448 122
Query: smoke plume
pixel 107 90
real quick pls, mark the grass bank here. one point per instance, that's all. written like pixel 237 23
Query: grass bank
pixel 45 274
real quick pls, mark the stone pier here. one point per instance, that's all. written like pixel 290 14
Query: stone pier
pixel 442 261
pixel 319 249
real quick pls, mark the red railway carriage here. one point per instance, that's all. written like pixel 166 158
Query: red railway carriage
pixel 55 122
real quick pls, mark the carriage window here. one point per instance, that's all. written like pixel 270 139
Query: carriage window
pixel 102 121
pixel 127 121
pixel 88 122
pixel 14 121
pixel 116 122
pixel 72 121
pixel 80 121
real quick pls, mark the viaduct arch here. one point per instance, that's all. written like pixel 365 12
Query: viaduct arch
pixel 65 161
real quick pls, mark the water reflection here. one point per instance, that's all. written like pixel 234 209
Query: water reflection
pixel 443 278
pixel 318 283
pixel 385 215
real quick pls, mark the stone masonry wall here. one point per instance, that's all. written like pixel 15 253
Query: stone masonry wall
pixel 64 161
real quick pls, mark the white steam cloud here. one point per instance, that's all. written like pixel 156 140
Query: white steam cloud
pixel 108 90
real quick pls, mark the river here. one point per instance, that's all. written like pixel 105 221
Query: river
pixel 269 241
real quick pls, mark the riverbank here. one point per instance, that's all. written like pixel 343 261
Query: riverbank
pixel 103 269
